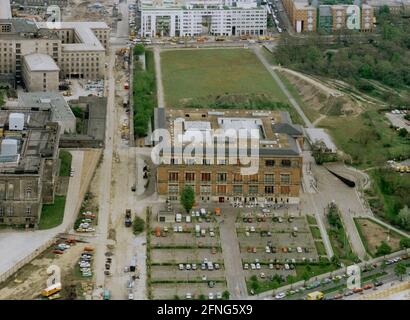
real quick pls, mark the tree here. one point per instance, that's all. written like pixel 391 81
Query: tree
pixel 138 225
pixel 404 243
pixel 225 295
pixel 201 296
pixel 400 270
pixel 138 50
pixel 188 198
pixel 404 217
pixel 335 260
pixel 383 249
pixel 402 132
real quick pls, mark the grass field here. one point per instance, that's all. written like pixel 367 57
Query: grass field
pixel 65 164
pixel 52 214
pixel 202 76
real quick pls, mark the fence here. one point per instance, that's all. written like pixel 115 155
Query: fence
pixel 5 275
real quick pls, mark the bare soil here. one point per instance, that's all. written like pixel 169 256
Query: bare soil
pixel 375 234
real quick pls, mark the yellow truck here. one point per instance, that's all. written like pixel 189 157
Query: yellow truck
pixel 53 289
pixel 316 295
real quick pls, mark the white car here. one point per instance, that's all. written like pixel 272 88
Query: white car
pixel 258 266
pixel 299 249
pixel 130 296
pixel 287 266
pixel 211 296
pixel 181 266
pixel 280 295
pixel 219 295
pixel 188 295
pixel 188 267
pixel 253 266
pixel 267 249
pixel 246 266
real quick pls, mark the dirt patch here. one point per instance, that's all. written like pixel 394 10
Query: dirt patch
pixel 29 281
pixel 322 101
pixel 374 234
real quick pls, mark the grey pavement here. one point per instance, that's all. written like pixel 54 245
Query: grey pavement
pixel 235 277
pixel 257 50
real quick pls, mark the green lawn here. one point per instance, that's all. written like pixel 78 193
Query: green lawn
pixel 311 220
pixel 52 214
pixel 320 247
pixel 65 163
pixel 203 76
pixel 369 140
pixel 315 232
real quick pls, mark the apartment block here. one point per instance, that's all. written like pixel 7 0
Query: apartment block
pixel 215 176
pixel 40 72
pixel 195 18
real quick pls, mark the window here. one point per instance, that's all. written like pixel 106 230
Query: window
pixel 28 211
pixel 221 189
pixel 221 176
pixel 285 178
pixel 269 189
pixel 285 163
pixel 270 163
pixel 205 189
pixel 253 189
pixel 237 188
pixel 173 176
pixel 189 176
pixel 205 176
pixel 1 211
pixel 269 178
pixel 173 188
pixel 10 211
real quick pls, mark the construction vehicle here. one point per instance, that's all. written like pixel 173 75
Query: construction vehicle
pixel 316 295
pixel 128 220
pixel 53 289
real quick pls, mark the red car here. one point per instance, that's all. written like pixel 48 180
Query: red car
pixel 58 251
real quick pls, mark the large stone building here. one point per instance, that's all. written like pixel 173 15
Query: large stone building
pixel 311 16
pixel 201 17
pixel 216 177
pixel 28 165
pixel 77 48
pixel 401 7
pixel 40 72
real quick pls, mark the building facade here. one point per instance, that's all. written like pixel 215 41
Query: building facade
pixel 310 16
pixel 28 165
pixel 216 179
pixel 40 73
pixel 195 18
pixel 78 48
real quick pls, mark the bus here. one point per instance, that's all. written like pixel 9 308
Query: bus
pixel 317 295
pixel 47 292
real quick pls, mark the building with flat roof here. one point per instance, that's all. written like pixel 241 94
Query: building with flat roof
pixel 28 164
pixel 217 175
pixel 311 16
pixel 201 17
pixel 53 102
pixel 77 48
pixel 40 72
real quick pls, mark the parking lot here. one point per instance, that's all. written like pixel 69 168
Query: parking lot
pixel 185 255
pixel 273 245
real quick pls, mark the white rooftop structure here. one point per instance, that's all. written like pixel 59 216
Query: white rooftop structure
pixel 239 123
pixel 5 9
pixel 40 62
pixel 83 31
pixel 16 121
pixel 8 147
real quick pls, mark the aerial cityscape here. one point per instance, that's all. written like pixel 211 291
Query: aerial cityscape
pixel 205 150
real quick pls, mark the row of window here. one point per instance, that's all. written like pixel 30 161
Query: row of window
pixel 236 189
pixel 9 211
pixel 223 177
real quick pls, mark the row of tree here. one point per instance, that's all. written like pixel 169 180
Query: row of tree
pixel 355 58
